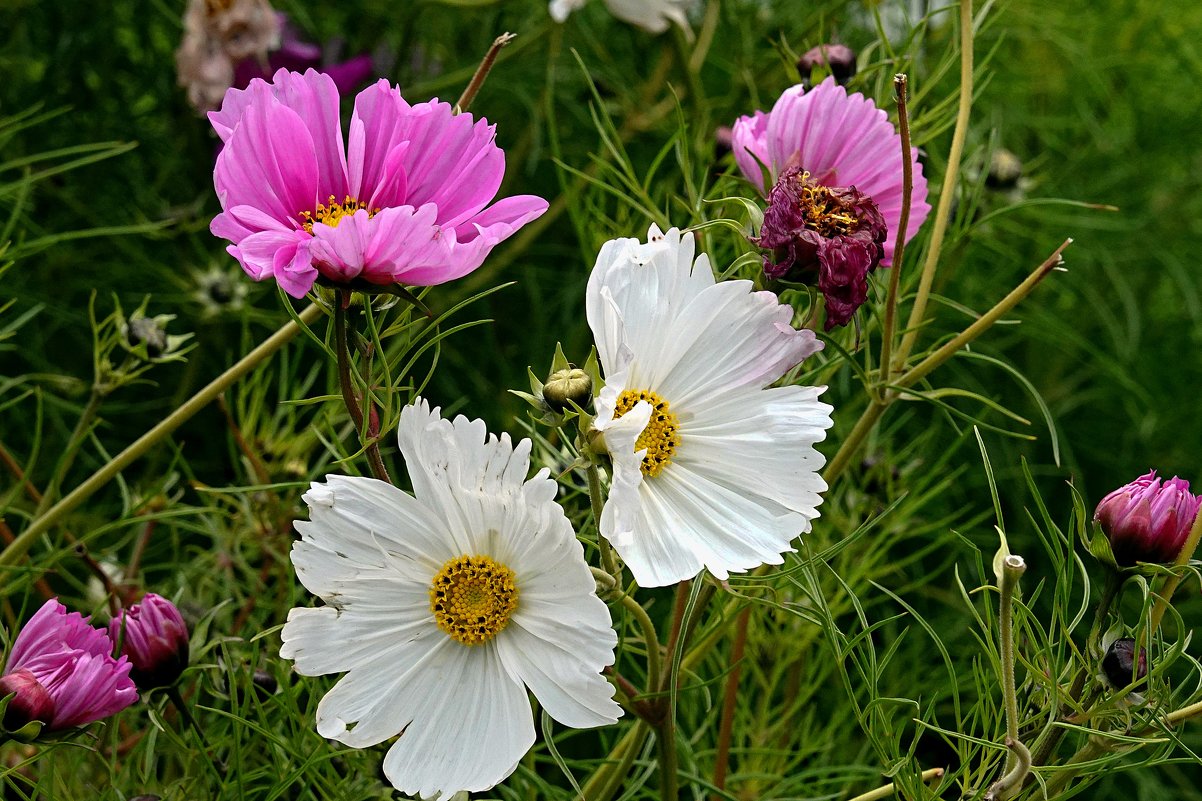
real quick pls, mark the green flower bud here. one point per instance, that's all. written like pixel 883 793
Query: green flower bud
pixel 570 385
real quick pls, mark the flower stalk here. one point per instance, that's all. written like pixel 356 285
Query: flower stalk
pixel 888 790
pixel 368 434
pixel 943 212
pixel 42 524
pixel 481 74
pixel 900 84
pixel 1018 763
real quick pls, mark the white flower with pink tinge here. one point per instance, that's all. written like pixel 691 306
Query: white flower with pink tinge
pixel 712 468
pixel 406 201
pixel 840 140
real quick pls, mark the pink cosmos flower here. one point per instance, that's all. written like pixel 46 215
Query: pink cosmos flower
pixel 1147 521
pixel 842 141
pixel 405 201
pixel 154 638
pixel 60 655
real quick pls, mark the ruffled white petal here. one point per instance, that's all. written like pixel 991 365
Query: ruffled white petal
pixel 743 482
pixel 371 552
pixel 471 724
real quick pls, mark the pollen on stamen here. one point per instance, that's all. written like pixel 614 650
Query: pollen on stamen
pixel 822 210
pixel 661 436
pixel 332 212
pixel 472 598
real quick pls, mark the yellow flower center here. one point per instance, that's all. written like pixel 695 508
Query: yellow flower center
pixel 472 598
pixel 659 437
pixel 822 211
pixel 331 212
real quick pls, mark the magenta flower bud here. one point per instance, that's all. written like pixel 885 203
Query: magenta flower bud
pixel 73 664
pixel 1147 521
pixel 840 59
pixel 829 235
pixel 155 639
pixel 31 702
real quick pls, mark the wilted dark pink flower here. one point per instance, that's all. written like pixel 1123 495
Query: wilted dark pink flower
pixel 73 663
pixel 841 140
pixel 406 201
pixel 154 638
pixel 1147 521
pixel 833 235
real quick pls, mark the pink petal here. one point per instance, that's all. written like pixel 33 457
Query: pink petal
pixel 453 161
pixel 314 97
pixel 338 251
pixel 750 147
pixel 385 248
pixel 294 271
pixel 259 252
pixel 269 163
pixel 375 131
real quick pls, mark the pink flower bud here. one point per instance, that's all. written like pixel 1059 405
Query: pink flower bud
pixel 1147 521
pixel 839 59
pixel 73 664
pixel 30 703
pixel 155 639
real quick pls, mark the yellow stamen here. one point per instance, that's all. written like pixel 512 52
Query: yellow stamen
pixel 823 212
pixel 332 212
pixel 659 437
pixel 472 598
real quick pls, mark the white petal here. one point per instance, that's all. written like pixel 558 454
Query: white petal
pixel 377 699
pixel 619 515
pixel 353 522
pixel 761 444
pixel 371 615
pixel 567 684
pixel 687 522
pixel 471 725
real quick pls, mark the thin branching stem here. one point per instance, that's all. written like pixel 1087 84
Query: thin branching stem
pixel 943 211
pixel 730 701
pixel 900 86
pixel 481 74
pixel 1013 568
pixel 888 790
pixel 608 560
pixel 350 398
pixel 107 472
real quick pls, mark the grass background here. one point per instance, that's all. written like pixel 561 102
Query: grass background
pixel 1098 104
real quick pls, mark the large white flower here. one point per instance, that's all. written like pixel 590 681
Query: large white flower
pixel 711 469
pixel 441 605
pixel 654 16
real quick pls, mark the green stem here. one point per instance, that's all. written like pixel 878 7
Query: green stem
pixel 666 739
pixel 852 442
pixel 490 58
pixel 82 426
pixel 607 780
pixel 985 321
pixel 887 791
pixel 730 701
pixel 1013 568
pixel 43 523
pixel 1050 738
pixel 899 246
pixel 181 706
pixel 608 561
pixel 367 437
pixel 947 194
pixel 650 639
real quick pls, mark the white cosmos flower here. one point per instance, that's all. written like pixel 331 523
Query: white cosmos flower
pixel 443 606
pixel 654 16
pixel 711 469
